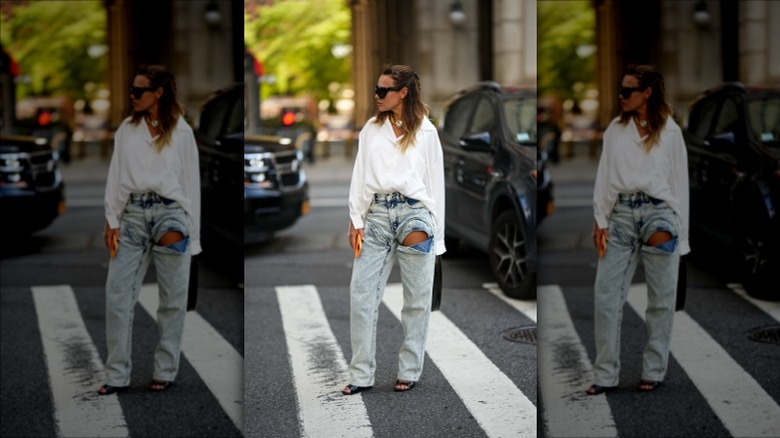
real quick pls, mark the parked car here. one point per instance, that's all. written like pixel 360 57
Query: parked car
pixel 496 180
pixel 32 193
pixel 252 185
pixel 733 141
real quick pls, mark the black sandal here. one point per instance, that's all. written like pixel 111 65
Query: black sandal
pixel 161 385
pixel 108 389
pixel 653 384
pixel 354 389
pixel 409 385
pixel 598 389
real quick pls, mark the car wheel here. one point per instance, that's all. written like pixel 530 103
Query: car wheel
pixel 508 258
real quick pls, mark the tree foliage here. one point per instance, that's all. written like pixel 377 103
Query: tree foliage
pixel 564 26
pixel 49 40
pixel 294 40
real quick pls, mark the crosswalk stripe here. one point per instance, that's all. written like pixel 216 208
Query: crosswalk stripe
pixel 217 363
pixel 771 308
pixel 526 307
pixel 568 411
pixel 740 403
pixel 500 408
pixel 319 368
pixel 75 368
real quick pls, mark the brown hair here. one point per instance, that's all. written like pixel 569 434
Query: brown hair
pixel 413 108
pixel 169 109
pixel 658 109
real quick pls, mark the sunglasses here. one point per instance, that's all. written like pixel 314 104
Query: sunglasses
pixel 137 92
pixel 625 92
pixel 382 91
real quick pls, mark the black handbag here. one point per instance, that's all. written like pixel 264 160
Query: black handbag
pixel 192 288
pixel 436 300
pixel 682 284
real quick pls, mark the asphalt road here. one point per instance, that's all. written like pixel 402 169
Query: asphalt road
pixel 52 341
pixel 719 382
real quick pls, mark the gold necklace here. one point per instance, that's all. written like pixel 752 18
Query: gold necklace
pixel 153 122
pixel 642 123
pixel 397 123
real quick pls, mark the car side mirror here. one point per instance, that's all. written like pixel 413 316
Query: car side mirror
pixel 479 142
pixel 721 142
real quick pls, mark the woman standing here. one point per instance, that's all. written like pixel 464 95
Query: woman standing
pixel 152 205
pixel 396 209
pixel 640 205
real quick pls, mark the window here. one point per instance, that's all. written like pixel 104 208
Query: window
pixel 484 118
pixel 700 120
pixel 455 122
pixel 728 119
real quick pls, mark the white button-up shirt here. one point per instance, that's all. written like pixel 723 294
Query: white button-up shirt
pixel 381 167
pixel 137 167
pixel 625 167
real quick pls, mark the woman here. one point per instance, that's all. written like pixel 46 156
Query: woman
pixel 640 206
pixel 152 205
pixel 396 209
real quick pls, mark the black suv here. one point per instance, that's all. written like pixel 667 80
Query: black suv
pixel 497 184
pixel 733 141
pixel 31 187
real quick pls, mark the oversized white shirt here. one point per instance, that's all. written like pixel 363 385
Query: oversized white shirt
pixel 137 167
pixel 625 167
pixel 381 167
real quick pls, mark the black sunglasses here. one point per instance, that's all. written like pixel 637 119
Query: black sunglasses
pixel 137 92
pixel 382 91
pixel 625 92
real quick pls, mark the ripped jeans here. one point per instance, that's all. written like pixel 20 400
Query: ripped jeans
pixel 390 219
pixel 146 218
pixel 634 219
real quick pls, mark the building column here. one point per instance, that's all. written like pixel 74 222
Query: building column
pixel 607 66
pixel 118 59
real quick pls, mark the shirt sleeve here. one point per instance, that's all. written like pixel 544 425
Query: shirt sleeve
pixel 190 185
pixel 679 187
pixel 357 203
pixel 435 183
pixel 601 188
pixel 112 202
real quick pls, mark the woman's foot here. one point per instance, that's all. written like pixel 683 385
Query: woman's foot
pixel 648 385
pixel 108 389
pixel 598 389
pixel 160 385
pixel 403 385
pixel 352 389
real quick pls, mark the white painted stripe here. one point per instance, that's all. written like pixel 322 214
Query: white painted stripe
pixel 217 363
pixel 740 403
pixel 500 408
pixel 565 371
pixel 84 202
pixel 329 202
pixel 771 308
pixel 319 368
pixel 573 202
pixel 526 307
pixel 75 368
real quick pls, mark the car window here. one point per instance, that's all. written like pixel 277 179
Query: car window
pixel 213 117
pixel 521 119
pixel 765 119
pixel 728 118
pixel 457 117
pixel 235 123
pixel 484 118
pixel 700 120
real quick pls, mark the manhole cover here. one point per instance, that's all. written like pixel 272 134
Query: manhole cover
pixel 525 335
pixel 769 335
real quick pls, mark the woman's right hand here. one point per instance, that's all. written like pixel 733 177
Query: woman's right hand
pixel 600 238
pixel 109 234
pixel 352 233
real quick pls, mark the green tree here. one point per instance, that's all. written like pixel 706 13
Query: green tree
pixel 294 39
pixel 49 40
pixel 563 27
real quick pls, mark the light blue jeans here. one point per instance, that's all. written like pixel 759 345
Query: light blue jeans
pixel 390 219
pixel 144 221
pixel 634 219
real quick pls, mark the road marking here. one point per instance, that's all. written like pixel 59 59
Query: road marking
pixel 84 202
pixel 771 308
pixel 526 307
pixel 565 373
pixel 75 368
pixel 740 403
pixel 217 363
pixel 500 408
pixel 319 368
pixel 573 202
pixel 329 202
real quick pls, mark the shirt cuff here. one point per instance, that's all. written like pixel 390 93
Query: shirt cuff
pixel 357 222
pixel 601 221
pixel 113 221
pixel 440 248
pixel 685 247
pixel 195 248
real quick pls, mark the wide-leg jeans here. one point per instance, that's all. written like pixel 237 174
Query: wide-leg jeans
pixel 634 219
pixel 146 218
pixel 390 219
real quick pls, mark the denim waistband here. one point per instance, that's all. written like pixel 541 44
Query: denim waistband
pixel 149 198
pixel 387 198
pixel 638 198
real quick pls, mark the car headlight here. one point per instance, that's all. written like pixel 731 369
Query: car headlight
pixel 256 169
